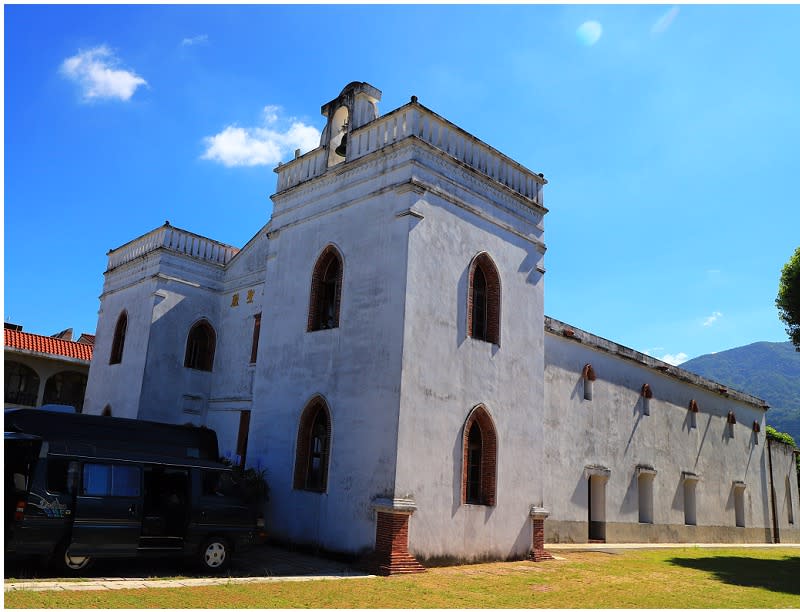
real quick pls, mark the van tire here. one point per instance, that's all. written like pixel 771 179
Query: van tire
pixel 215 554
pixel 71 564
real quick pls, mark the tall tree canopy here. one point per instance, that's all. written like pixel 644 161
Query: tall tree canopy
pixel 788 300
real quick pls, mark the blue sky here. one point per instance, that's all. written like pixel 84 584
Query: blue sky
pixel 669 136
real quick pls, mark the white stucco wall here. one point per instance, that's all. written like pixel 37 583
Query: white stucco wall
pixel 355 367
pixel 128 288
pixel 446 373
pixel 240 300
pixel 787 496
pixel 611 430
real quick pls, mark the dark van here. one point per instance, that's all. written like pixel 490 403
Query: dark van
pixel 127 489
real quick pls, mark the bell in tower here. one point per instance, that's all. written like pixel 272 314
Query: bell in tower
pixel 341 150
pixel 354 107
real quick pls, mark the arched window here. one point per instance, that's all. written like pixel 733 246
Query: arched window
pixel 21 384
pixel 479 472
pixel 66 388
pixel 474 455
pixel 106 410
pixel 313 447
pixel 326 291
pixel 119 338
pixel 483 300
pixel 200 345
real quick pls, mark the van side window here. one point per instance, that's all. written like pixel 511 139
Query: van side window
pixel 218 484
pixel 111 480
pixel 61 475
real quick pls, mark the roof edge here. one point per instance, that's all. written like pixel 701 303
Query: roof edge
pixel 575 334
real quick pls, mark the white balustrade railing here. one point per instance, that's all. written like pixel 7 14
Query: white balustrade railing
pixel 173 239
pixel 415 120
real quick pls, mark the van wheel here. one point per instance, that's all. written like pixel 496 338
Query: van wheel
pixel 215 554
pixel 72 564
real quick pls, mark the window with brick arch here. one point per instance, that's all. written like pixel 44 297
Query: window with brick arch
pixel 479 471
pixel 313 447
pixel 200 345
pixel 118 343
pixel 326 291
pixel 483 300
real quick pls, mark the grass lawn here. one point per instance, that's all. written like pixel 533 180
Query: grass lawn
pixel 667 578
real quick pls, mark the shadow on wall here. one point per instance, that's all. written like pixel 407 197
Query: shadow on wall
pixel 779 575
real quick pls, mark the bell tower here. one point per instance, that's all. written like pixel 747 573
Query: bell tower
pixel 393 217
pixel 355 106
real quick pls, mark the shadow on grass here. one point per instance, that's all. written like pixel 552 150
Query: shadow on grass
pixel 782 575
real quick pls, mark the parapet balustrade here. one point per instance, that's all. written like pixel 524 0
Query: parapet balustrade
pixel 173 239
pixel 415 120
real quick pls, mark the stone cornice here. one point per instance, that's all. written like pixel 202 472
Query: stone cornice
pixel 459 174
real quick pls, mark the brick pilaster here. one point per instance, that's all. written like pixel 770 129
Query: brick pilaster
pixel 391 556
pixel 538 553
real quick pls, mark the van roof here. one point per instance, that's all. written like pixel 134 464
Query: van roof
pixel 130 434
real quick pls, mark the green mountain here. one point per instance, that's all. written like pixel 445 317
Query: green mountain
pixel 769 370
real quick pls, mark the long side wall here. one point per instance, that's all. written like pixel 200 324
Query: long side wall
pixel 611 439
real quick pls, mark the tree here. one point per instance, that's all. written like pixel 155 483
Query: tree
pixel 788 300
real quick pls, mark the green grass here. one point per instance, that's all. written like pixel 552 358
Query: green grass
pixel 671 578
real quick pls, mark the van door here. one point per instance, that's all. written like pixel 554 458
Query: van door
pixel 108 510
pixel 166 507
pixel 20 459
pixel 51 499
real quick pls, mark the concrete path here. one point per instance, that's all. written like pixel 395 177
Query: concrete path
pixel 111 584
pixel 262 564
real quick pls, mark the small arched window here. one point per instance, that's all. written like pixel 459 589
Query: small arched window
pixel 106 410
pixel 326 291
pixel 200 346
pixel 483 300
pixel 21 384
pixel 479 472
pixel 119 338
pixel 313 447
pixel 647 395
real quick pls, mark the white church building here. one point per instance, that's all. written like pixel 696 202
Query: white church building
pixel 380 348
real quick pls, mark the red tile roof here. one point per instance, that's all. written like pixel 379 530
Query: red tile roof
pixel 47 345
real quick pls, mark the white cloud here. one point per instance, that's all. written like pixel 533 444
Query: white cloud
pixel 264 145
pixel 96 72
pixel 676 359
pixel 710 320
pixel 200 39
